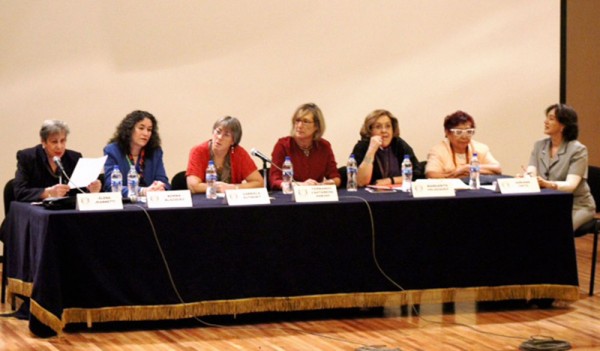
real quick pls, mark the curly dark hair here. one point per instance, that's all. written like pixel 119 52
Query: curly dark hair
pixel 566 116
pixel 124 130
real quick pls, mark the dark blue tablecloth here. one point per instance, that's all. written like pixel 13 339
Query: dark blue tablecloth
pixel 108 262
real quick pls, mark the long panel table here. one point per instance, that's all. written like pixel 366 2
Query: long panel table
pixel 106 265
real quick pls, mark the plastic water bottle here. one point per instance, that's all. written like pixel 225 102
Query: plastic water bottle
pixel 287 170
pixel 211 179
pixel 132 184
pixel 474 172
pixel 351 171
pixel 116 180
pixel 407 174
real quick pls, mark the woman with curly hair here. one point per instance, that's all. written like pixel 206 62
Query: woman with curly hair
pixel 136 143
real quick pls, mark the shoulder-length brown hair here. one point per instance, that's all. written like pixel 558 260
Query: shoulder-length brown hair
pixel 365 131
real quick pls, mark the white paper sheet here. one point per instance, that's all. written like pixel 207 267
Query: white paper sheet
pixel 86 171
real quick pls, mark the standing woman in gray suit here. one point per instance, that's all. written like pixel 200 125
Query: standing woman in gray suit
pixel 560 162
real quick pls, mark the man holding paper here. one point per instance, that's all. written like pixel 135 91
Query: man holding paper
pixel 39 175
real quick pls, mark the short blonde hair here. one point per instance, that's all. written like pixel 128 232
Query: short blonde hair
pixel 319 120
pixel 365 131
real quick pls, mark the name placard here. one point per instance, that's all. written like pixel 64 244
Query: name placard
pixel 240 197
pixel 169 199
pixel 518 185
pixel 433 188
pixel 315 193
pixel 99 201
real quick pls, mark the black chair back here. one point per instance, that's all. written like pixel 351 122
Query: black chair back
pixel 265 174
pixel 343 176
pixel 179 181
pixel 592 226
pixel 594 183
pixel 9 195
pixel 102 180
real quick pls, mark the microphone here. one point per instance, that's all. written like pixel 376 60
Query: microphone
pixel 260 155
pixel 56 160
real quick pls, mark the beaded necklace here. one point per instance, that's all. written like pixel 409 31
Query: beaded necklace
pixel 140 165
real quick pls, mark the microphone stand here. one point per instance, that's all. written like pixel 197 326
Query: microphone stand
pixel 265 174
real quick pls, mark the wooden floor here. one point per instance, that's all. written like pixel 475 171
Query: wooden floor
pixel 467 327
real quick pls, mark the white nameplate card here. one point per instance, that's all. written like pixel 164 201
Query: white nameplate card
pixel 433 188
pixel 240 197
pixel 99 201
pixel 518 185
pixel 315 193
pixel 169 199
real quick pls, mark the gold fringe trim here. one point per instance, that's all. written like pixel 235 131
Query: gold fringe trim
pixel 47 318
pixel 18 287
pixel 301 303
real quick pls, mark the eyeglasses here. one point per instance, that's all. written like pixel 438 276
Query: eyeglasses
pixel 461 132
pixel 303 121
pixel 382 126
pixel 222 133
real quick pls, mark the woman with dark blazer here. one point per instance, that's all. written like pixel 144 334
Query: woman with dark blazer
pixel 380 151
pixel 38 176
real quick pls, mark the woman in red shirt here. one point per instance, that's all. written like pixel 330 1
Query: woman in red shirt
pixel 235 167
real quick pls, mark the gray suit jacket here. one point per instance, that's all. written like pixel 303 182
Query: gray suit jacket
pixel 572 158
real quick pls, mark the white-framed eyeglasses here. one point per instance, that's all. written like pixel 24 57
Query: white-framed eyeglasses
pixel 460 132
